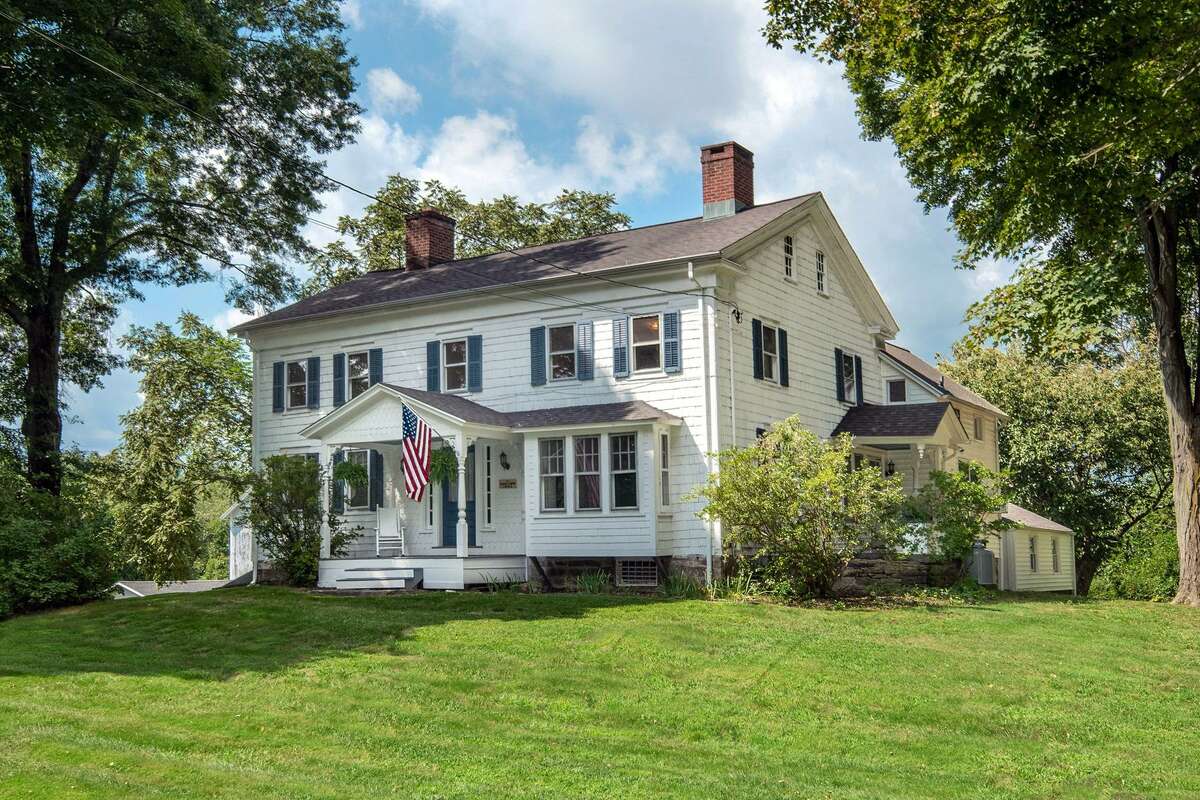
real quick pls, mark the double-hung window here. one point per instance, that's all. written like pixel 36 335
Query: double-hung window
pixel 297 384
pixel 358 378
pixel 587 473
pixel 359 496
pixel 978 422
pixel 647 343
pixel 1054 565
pixel 623 469
pixel 788 251
pixel 562 352
pixel 770 353
pixel 664 470
pixel 820 257
pixel 849 378
pixel 454 360
pixel 1033 554
pixel 487 486
pixel 552 471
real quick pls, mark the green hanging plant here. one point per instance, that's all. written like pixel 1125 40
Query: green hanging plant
pixel 443 465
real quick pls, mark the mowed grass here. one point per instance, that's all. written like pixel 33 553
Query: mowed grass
pixel 271 693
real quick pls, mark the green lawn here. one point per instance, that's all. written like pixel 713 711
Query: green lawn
pixel 259 692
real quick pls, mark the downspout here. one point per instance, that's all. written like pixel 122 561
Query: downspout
pixel 710 413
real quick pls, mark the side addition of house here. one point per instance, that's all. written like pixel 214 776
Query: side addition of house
pixel 582 385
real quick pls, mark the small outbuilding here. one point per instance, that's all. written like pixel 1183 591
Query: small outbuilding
pixel 1034 554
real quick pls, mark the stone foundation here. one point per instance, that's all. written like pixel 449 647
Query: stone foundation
pixel 871 573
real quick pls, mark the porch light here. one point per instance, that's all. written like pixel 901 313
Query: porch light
pixel 891 468
pixel 504 459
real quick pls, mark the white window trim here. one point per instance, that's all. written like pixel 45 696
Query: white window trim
pixel 487 509
pixel 664 471
pixel 348 383
pixel 565 440
pixel 851 391
pixel 633 370
pixel 1055 561
pixel 287 384
pixel 446 366
pixel 774 377
pixel 348 490
pixel 822 273
pixel 550 354
pixel 612 473
pixel 429 510
pixel 977 428
pixel 887 388
pixel 789 258
pixel 1033 554
pixel 599 473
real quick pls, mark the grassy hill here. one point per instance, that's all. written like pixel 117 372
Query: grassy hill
pixel 272 693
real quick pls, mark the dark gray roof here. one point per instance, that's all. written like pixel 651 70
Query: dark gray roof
pixel 909 419
pixel 1027 519
pixel 937 381
pixel 597 413
pixel 689 237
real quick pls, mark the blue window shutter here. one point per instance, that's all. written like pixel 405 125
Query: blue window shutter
pixel 621 347
pixel 756 342
pixel 781 345
pixel 474 363
pixel 376 479
pixel 537 355
pixel 314 382
pixel 585 350
pixel 837 374
pixel 339 500
pixel 277 386
pixel 858 380
pixel 339 379
pixel 374 366
pixel 672 357
pixel 433 381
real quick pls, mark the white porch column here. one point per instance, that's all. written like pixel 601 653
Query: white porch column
pixel 462 531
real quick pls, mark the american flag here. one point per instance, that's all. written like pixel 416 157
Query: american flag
pixel 416 455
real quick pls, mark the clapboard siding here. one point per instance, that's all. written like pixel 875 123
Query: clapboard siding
pixel 1044 579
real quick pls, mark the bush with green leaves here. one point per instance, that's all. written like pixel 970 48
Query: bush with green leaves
pixel 286 511
pixel 953 510
pixel 1146 566
pixel 799 505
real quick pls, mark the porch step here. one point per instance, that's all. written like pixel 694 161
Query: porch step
pixel 380 578
pixel 381 572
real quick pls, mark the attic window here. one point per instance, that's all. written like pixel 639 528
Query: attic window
pixel 787 256
pixel 897 391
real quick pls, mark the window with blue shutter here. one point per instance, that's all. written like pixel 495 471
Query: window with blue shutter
pixel 375 365
pixel 584 351
pixel 277 386
pixel 339 379
pixel 433 380
pixel 620 327
pixel 375 479
pixel 672 341
pixel 839 379
pixel 338 500
pixel 537 355
pixel 784 378
pixel 756 344
pixel 474 363
pixel 314 382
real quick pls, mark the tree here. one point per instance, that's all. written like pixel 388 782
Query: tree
pixel 1085 444
pixel 481 227
pixel 285 514
pixel 189 439
pixel 957 509
pixel 106 184
pixel 800 506
pixel 1064 130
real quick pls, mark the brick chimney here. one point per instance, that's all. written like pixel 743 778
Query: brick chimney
pixel 428 239
pixel 727 171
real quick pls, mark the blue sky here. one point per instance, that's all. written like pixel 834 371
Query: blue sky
pixel 500 96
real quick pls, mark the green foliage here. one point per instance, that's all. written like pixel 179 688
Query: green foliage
pixel 1146 564
pixel 482 227
pixel 188 438
pixel 953 510
pixel 54 550
pixel 593 582
pixel 105 187
pixel 285 515
pixel 683 585
pixel 354 474
pixel 739 586
pixel 801 507
pixel 1085 445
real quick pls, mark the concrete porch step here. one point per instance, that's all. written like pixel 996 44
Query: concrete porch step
pixel 381 572
pixel 380 578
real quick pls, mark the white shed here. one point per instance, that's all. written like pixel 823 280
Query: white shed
pixel 1035 554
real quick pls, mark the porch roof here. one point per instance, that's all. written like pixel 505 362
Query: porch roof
pixel 915 420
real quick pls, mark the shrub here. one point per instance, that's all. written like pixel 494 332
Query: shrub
pixel 681 584
pixel 801 507
pixel 956 509
pixel 593 582
pixel 1146 567
pixel 285 514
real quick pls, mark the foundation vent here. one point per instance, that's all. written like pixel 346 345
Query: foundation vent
pixel 637 572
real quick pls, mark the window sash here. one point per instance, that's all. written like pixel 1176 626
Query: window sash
pixel 647 342
pixel 358 377
pixel 788 252
pixel 454 364
pixel 664 470
pixel 770 352
pixel 895 396
pixel 551 474
pixel 849 379
pixel 623 469
pixel 297 384
pixel 820 271
pixel 587 473
pixel 359 496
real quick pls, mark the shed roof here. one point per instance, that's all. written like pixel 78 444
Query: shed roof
pixel 1027 519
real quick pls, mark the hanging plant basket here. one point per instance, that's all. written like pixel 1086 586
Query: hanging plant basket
pixel 443 465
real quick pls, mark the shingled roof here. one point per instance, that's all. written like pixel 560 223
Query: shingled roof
pixel 689 238
pixel 908 420
pixel 936 380
pixel 590 414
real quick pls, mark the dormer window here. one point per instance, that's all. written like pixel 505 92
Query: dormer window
pixel 897 391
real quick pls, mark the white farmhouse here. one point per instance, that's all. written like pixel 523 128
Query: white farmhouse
pixel 583 384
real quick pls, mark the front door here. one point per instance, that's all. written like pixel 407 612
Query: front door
pixel 450 505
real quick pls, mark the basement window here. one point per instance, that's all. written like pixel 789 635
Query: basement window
pixel 637 572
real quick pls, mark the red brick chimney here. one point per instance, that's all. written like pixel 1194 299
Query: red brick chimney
pixel 428 239
pixel 727 171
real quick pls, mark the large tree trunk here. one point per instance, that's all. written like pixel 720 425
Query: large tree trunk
pixel 1160 231
pixel 1086 567
pixel 42 424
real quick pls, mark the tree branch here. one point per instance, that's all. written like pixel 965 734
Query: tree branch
pixel 88 163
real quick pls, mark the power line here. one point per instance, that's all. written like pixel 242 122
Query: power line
pixel 237 134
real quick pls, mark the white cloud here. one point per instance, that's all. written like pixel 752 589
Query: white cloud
pixel 351 14
pixel 233 316
pixel 391 93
